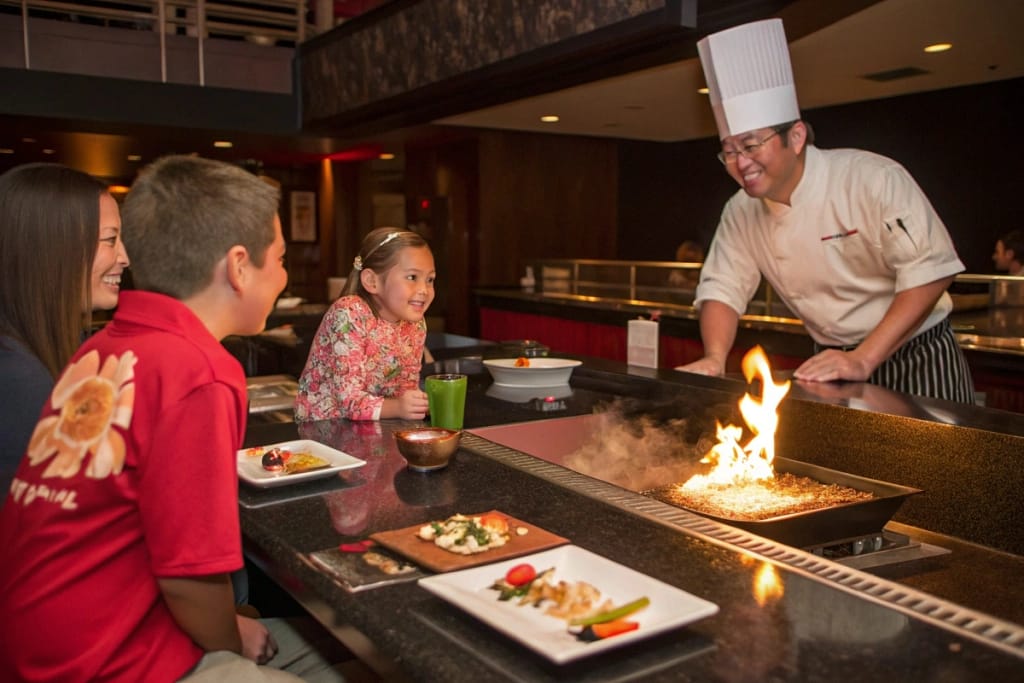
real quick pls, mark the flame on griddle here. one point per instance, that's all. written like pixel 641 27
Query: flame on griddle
pixel 739 464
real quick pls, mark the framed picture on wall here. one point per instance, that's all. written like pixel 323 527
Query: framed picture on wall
pixel 303 213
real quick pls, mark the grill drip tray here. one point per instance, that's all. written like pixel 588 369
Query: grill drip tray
pixel 877 550
pixel 821 526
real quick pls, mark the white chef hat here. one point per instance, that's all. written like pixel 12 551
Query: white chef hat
pixel 749 77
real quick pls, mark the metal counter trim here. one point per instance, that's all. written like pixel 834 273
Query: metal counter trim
pixel 1003 635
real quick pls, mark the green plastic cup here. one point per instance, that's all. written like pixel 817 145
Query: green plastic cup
pixel 447 396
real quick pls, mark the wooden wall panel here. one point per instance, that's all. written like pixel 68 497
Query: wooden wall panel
pixel 544 196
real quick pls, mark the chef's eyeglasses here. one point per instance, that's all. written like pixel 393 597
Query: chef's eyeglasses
pixel 730 156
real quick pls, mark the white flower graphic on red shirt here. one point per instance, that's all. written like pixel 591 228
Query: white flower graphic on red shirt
pixel 91 400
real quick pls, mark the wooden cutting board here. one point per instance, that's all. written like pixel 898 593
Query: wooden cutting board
pixel 426 554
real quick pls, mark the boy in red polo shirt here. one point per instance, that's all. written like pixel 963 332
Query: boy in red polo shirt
pixel 121 528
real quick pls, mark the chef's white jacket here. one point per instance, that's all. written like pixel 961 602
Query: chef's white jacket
pixel 858 231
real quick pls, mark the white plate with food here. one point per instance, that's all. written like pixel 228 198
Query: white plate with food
pixel 291 462
pixel 531 372
pixel 630 606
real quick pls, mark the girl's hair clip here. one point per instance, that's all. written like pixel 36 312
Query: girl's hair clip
pixel 357 262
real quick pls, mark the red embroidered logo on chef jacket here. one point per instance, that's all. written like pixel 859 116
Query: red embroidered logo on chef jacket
pixel 839 235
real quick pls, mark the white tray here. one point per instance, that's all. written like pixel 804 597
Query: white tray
pixel 250 464
pixel 470 591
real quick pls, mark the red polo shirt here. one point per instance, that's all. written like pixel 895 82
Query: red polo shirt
pixel 130 476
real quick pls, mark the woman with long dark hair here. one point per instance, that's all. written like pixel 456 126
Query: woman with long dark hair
pixel 61 257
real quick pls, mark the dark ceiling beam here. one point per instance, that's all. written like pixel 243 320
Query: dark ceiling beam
pixel 379 73
pixel 117 100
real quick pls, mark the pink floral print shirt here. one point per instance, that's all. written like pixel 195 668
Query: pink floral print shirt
pixel 356 361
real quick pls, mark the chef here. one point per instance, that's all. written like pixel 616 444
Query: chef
pixel 845 237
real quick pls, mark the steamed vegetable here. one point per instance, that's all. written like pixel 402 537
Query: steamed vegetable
pixel 606 630
pixel 612 614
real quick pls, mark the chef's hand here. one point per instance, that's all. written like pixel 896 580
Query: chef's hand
pixel 705 366
pixel 831 365
pixel 257 643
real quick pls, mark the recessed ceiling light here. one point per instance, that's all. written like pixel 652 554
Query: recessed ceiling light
pixel 386 156
pixel 938 47
pixel 134 157
pixel 550 118
pixel 47 151
pixel 28 140
pixel 702 91
pixel 5 150
pixel 223 144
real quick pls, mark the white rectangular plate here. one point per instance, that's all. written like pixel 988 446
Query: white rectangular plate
pixel 470 591
pixel 541 372
pixel 250 464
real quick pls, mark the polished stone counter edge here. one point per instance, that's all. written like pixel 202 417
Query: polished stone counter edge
pixel 1004 635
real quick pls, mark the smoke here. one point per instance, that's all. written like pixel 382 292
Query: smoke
pixel 645 450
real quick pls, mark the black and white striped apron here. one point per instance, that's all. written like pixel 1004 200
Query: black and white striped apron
pixel 930 364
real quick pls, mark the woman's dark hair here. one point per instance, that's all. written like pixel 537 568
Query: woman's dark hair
pixel 49 232
pixel 379 252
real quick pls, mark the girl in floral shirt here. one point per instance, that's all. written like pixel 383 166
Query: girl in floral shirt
pixel 365 360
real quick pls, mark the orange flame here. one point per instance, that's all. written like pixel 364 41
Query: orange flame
pixel 735 463
pixel 767 585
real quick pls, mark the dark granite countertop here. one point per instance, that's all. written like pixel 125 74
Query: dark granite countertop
pixel 802 628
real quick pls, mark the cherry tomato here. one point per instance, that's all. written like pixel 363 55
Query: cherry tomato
pixel 520 574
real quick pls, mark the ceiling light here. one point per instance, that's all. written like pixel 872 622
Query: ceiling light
pixel 134 157
pixel 386 156
pixel 28 140
pixel 938 47
pixel 703 91
pixel 549 118
pixel 47 151
pixel 223 144
pixel 5 150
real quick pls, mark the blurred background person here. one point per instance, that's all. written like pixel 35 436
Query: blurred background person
pixel 1009 253
pixel 687 252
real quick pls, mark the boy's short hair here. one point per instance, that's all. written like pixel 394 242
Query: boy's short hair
pixel 182 215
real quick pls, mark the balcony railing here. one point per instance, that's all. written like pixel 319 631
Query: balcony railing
pixel 265 22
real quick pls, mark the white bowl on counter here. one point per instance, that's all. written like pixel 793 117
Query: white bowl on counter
pixel 541 372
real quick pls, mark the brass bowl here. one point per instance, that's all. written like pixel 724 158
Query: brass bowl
pixel 427 448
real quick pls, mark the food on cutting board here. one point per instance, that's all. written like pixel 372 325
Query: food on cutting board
pixel 589 617
pixel 465 535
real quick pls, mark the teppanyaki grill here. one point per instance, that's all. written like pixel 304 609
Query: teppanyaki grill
pixel 824 526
